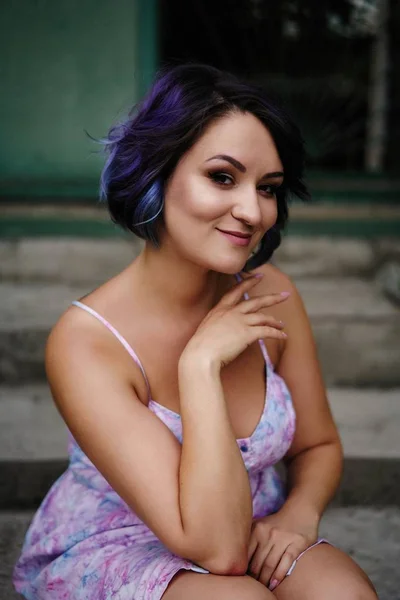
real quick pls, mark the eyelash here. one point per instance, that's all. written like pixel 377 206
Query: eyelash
pixel 217 174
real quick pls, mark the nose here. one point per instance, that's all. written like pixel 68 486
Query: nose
pixel 247 208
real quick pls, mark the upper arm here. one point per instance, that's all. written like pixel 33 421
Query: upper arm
pixel 299 367
pixel 133 449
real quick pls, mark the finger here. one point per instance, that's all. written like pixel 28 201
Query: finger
pixel 252 548
pixel 253 543
pixel 290 555
pixel 260 318
pixel 234 295
pixel 258 302
pixel 260 332
pixel 258 559
pixel 271 562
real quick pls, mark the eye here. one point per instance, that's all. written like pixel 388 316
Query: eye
pixel 269 190
pixel 221 178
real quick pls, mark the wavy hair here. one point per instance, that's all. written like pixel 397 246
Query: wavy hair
pixel 144 149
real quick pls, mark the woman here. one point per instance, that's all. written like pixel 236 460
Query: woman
pixel 171 489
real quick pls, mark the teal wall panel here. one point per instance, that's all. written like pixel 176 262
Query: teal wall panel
pixel 66 66
pixel 148 50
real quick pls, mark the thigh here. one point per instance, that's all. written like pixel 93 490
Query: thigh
pixel 187 585
pixel 326 572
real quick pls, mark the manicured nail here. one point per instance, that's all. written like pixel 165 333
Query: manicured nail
pixel 273 584
pixel 259 275
pixel 282 323
pixel 285 294
pixel 283 334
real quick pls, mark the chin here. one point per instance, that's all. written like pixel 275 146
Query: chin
pixel 225 262
pixel 228 266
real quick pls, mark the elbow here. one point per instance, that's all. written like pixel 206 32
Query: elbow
pixel 228 566
pixel 225 563
pixel 228 558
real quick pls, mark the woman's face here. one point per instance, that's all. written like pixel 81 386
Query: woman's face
pixel 226 182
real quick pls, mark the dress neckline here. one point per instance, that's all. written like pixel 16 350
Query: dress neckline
pixel 267 377
pixel 269 371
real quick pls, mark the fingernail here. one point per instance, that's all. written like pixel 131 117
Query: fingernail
pixel 258 275
pixel 285 294
pixel 283 334
pixel 282 323
pixel 273 584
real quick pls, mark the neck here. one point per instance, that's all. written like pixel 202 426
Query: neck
pixel 179 286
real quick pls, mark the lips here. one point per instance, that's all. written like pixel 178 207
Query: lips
pixel 236 233
pixel 237 238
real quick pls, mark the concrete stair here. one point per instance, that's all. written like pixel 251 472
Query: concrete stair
pixel 356 328
pixel 364 519
pixel 33 445
pixel 357 331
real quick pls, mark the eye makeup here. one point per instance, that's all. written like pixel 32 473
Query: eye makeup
pixel 219 176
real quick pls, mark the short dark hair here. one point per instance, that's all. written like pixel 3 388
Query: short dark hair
pixel 144 150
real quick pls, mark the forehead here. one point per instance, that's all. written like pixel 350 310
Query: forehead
pixel 241 135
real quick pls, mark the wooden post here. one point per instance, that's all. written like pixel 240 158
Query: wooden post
pixel 378 93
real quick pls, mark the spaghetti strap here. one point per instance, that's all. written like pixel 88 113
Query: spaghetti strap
pixel 261 342
pixel 119 337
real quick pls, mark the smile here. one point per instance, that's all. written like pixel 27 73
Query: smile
pixel 236 239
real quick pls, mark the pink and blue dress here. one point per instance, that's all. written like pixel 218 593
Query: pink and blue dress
pixel 85 543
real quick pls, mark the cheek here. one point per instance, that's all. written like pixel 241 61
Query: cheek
pixel 193 198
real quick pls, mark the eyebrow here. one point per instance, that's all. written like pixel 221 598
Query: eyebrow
pixel 238 165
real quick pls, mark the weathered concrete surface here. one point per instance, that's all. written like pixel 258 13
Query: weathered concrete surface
pixel 357 331
pixel 28 311
pixel 66 260
pixel 368 421
pixel 347 298
pixel 33 445
pixel 356 328
pixel 370 536
pixel 32 429
pixel 335 257
pixel 365 482
pixel 326 257
pixel 92 261
pixel 359 353
pixel 30 426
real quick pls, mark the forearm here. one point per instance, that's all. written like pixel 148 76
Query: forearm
pixel 313 478
pixel 214 490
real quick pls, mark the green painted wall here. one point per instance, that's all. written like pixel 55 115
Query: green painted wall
pixel 67 66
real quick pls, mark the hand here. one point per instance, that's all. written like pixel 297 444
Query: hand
pixel 234 324
pixel 276 541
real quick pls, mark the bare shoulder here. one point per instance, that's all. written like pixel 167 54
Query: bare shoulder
pixel 274 277
pixel 78 341
pixel 275 281
pixel 76 335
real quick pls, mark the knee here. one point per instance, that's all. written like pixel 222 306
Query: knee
pixel 195 586
pixel 247 587
pixel 360 590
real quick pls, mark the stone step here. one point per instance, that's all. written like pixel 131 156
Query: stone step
pixel 376 548
pixel 31 427
pixel 74 260
pixel 356 328
pixel 33 442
